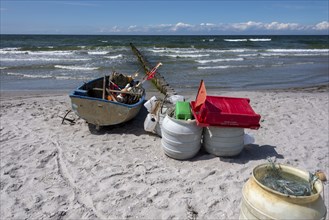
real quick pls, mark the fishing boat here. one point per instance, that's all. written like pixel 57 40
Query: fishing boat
pixel 108 100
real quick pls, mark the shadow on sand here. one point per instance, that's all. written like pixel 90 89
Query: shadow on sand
pixel 134 126
pixel 254 152
pixel 250 152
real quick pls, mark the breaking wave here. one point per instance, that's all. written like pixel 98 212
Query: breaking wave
pixel 219 60
pixel 29 75
pixel 219 67
pixel 235 40
pixel 250 39
pixel 83 68
pixel 188 55
pixel 115 56
pixel 260 39
pixel 97 52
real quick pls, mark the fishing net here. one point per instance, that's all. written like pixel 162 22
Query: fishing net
pixel 287 183
pixel 119 79
pixel 134 97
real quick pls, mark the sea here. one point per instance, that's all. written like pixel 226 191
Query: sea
pixel 63 62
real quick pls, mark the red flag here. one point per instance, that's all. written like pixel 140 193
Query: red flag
pixel 151 74
pixel 201 96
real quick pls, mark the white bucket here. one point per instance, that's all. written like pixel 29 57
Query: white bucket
pixel 176 98
pixel 223 141
pixel 151 104
pixel 180 139
pixel 150 122
pixel 161 114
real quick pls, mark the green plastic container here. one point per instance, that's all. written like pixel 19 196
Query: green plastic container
pixel 183 110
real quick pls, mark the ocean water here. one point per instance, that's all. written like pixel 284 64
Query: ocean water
pixel 63 62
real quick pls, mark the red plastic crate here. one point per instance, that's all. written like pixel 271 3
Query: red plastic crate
pixel 224 111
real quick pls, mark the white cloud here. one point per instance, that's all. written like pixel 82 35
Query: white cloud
pixel 164 25
pixel 180 26
pixel 132 27
pixel 115 29
pixel 273 26
pixel 160 28
pixel 207 24
pixel 227 28
pixel 246 26
pixel 322 26
pixel 283 26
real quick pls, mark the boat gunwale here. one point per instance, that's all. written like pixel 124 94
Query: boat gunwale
pixel 109 102
pixel 72 95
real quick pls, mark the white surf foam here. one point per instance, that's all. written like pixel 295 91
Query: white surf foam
pixel 260 39
pixel 219 60
pixel 115 56
pixel 85 78
pixel 13 52
pixel 218 67
pixel 51 53
pixel 83 68
pixel 29 75
pixel 210 40
pixel 235 40
pixel 38 76
pixel 298 50
pixel 97 52
pixel 43 53
pixel 175 50
pixel 42 59
pixel 188 55
pixel 248 55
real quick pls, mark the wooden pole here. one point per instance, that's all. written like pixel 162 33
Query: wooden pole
pixel 141 58
pixel 158 80
pixel 104 86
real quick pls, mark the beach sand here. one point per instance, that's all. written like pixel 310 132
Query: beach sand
pixel 51 170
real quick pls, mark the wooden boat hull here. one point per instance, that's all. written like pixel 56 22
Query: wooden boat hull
pixel 102 112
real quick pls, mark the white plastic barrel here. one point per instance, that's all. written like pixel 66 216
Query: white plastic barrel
pixel 176 98
pixel 151 104
pixel 161 114
pixel 261 202
pixel 223 141
pixel 180 139
pixel 150 122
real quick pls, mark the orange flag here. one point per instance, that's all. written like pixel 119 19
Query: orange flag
pixel 201 96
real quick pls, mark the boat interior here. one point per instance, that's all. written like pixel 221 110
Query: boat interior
pixel 112 85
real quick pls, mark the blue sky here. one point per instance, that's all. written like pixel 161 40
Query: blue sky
pixel 164 17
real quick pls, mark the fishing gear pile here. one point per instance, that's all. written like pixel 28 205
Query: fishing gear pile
pixel 286 183
pixel 124 89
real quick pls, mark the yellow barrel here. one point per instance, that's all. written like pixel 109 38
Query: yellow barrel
pixel 261 202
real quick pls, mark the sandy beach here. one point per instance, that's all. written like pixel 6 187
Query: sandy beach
pixel 51 170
